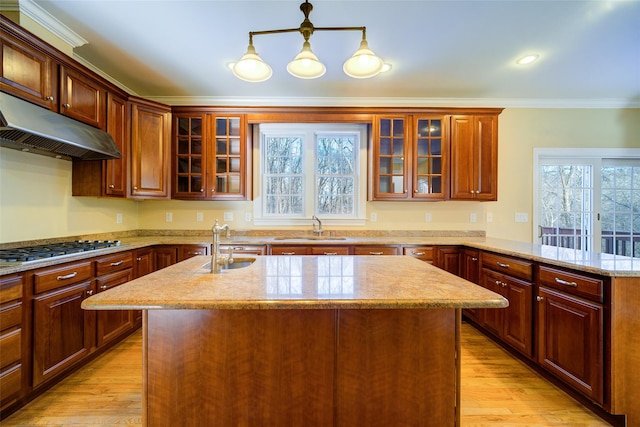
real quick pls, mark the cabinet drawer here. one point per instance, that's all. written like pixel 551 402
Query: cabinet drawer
pixel 290 250
pixel 10 288
pixel 112 280
pixel 572 283
pixel 375 250
pixel 55 277
pixel 10 347
pixel 116 262
pixel 10 383
pixel 188 251
pixel 425 253
pixel 10 316
pixel 330 250
pixel 508 265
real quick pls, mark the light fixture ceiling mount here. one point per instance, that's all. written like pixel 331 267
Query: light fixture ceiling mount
pixel 306 65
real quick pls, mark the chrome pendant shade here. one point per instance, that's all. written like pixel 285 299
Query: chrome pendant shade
pixel 306 65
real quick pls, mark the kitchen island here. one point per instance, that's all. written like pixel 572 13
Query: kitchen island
pixel 313 341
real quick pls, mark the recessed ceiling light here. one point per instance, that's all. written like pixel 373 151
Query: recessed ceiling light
pixel 527 59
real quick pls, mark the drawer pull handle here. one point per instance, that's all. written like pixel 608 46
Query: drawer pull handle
pixel 474 259
pixel 115 264
pixel 539 298
pixel 376 253
pixel 194 253
pixel 503 265
pixel 104 287
pixel 288 253
pixel 418 253
pixel 68 276
pixel 564 282
pixel 331 253
pixel 239 248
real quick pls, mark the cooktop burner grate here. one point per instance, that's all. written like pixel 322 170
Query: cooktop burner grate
pixel 38 252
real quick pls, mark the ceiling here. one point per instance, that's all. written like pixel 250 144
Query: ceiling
pixel 455 52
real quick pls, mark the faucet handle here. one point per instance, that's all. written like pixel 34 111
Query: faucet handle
pixel 230 256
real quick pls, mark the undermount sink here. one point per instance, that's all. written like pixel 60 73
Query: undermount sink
pixel 237 263
pixel 309 238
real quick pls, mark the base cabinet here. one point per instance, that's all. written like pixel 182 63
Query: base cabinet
pixel 12 340
pixel 570 340
pixel 64 333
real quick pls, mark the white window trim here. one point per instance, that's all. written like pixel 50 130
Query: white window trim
pixel 311 129
pixel 571 154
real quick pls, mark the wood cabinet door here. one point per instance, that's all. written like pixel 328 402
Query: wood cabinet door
pixel 518 320
pixel 28 73
pixel 113 323
pixel 143 262
pixel 165 256
pixel 115 171
pixel 474 157
pixel 82 98
pixel 570 340
pixel 448 258
pixel 470 270
pixel 492 318
pixel 190 156
pixel 430 158
pixel 229 160
pixel 64 333
pixel 150 150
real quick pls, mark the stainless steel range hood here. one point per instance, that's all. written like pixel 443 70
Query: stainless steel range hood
pixel 27 127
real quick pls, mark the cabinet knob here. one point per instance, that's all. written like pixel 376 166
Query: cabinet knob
pixel 539 298
pixel 474 259
pixel 138 259
pixel 49 98
pixel 112 186
pixel 135 188
pixel 90 292
pixel 202 190
pixel 66 105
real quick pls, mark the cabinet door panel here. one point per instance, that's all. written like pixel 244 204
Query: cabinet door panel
pixel 518 325
pixel 28 74
pixel 63 332
pixel 82 98
pixel 570 341
pixel 115 180
pixel 113 323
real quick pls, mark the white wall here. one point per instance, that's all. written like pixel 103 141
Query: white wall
pixel 36 202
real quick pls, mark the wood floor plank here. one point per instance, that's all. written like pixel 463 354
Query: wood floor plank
pixel 497 391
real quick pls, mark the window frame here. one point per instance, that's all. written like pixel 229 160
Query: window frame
pixel 309 132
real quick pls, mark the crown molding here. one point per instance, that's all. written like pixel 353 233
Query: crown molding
pixel 396 102
pixel 50 23
pixel 9 6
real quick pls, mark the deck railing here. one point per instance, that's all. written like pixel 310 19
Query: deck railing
pixel 619 243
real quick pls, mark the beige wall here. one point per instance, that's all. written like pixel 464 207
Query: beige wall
pixel 36 202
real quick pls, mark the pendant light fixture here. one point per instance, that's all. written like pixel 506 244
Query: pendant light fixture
pixel 306 65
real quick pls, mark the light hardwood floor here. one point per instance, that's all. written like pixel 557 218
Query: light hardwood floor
pixel 497 390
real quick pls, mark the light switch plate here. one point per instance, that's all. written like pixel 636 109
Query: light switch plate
pixel 427 217
pixel 374 217
pixel 473 217
pixel 168 217
pixel 199 217
pixel 489 217
pixel 247 216
pixel 522 217
pixel 118 218
pixel 228 216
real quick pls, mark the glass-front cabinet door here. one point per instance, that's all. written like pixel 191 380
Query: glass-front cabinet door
pixel 189 157
pixel 389 159
pixel 430 148
pixel 230 161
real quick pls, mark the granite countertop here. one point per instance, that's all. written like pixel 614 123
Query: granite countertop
pixel 591 262
pixel 299 282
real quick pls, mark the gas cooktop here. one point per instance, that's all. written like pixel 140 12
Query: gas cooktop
pixel 40 252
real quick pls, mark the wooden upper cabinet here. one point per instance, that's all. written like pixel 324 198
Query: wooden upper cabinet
pixel 211 157
pixel 474 157
pixel 82 98
pixel 115 171
pixel 28 73
pixel 150 125
pixel 409 158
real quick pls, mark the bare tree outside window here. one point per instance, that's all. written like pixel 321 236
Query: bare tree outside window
pixel 335 175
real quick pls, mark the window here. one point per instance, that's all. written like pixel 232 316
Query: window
pixel 589 200
pixel 311 169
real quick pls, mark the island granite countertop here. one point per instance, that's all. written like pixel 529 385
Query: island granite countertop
pixel 299 282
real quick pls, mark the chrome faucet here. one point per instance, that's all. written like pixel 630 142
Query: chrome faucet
pixel 218 260
pixel 317 230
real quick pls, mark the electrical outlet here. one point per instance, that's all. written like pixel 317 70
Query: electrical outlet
pixel 489 217
pixel 427 217
pixel 473 217
pixel 118 218
pixel 522 217
pixel 199 217
pixel 374 217
pixel 228 216
pixel 168 217
pixel 247 216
